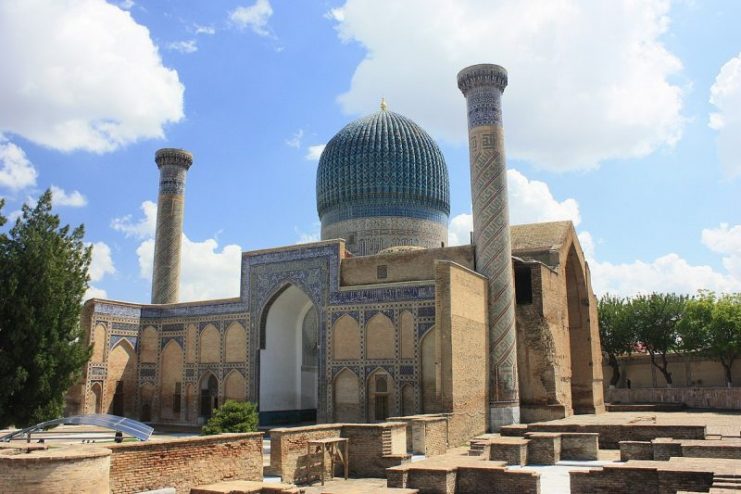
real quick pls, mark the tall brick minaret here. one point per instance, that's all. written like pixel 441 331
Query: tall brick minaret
pixel 483 85
pixel 173 165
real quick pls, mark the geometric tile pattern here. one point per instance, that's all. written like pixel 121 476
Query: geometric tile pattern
pixel 482 85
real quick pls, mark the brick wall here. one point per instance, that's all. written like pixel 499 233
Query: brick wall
pixel 461 306
pixel 487 480
pixel 719 397
pixel 611 435
pixel 372 448
pixel 579 446
pixel 615 481
pixel 185 463
pixel 636 450
pixel 289 457
pixel 77 470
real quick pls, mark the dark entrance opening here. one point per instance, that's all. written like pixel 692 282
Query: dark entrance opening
pixel 209 396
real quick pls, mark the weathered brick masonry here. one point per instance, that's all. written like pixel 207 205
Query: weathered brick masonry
pixel 185 463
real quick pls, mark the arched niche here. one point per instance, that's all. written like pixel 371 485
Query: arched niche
pixel 210 345
pixel 235 386
pixel 346 397
pixel 288 390
pixel 346 339
pixel 379 337
pixel 121 380
pixel 381 396
pixel 208 395
pixel 235 343
pixel 171 381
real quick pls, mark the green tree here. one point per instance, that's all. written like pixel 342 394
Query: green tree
pixel 654 319
pixel 43 277
pixel 232 416
pixel 712 326
pixel 616 333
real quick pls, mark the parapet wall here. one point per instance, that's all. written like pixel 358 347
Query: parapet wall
pixel 185 463
pixel 77 470
pixel 717 398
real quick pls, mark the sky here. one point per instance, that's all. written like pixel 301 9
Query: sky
pixel 623 116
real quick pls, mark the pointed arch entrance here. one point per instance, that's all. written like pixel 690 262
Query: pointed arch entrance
pixel 289 360
pixel 580 342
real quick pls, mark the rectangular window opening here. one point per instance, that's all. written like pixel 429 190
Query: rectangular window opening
pixel 523 285
pixel 382 272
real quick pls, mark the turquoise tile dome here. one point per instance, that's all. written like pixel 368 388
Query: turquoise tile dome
pixel 382 165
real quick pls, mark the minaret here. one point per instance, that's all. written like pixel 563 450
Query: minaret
pixel 173 165
pixel 483 85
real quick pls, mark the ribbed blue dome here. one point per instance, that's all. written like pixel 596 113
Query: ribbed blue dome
pixel 382 165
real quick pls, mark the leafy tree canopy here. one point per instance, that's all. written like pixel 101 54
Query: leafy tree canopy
pixel 617 335
pixel 654 319
pixel 43 278
pixel 232 416
pixel 712 326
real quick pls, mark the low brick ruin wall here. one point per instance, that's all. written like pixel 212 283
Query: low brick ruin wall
pixel 717 398
pixel 426 434
pixel 74 470
pixel 289 457
pixel 610 435
pixel 185 463
pixel 483 480
pixel 372 448
pixel 662 449
pixel 639 479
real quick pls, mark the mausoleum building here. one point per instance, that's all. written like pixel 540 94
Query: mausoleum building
pixel 381 317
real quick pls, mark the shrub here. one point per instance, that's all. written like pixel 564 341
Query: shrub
pixel 232 416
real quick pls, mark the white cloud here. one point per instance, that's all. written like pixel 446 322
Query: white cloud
pixel 315 152
pixel 589 81
pixel 16 171
pixel 100 265
pixel 459 229
pixel 74 199
pixel 205 272
pixel 335 14
pixel 295 140
pixel 127 4
pixel 314 235
pixel 142 228
pixel 667 273
pixel 255 17
pixel 725 95
pixel 102 262
pixel 725 240
pixel 102 85
pixel 185 47
pixel 204 29
pixel 530 201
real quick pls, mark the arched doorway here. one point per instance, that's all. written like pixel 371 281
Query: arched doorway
pixel 289 358
pixel 580 342
pixel 209 395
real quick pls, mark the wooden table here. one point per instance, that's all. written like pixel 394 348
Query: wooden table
pixel 336 447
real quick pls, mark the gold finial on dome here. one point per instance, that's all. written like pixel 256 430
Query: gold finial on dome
pixel 384 105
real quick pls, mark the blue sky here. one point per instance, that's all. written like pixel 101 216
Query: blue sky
pixel 624 117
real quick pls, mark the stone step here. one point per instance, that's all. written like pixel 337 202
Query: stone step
pixel 245 487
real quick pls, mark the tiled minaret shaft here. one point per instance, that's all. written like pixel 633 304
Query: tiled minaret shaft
pixel 483 85
pixel 173 165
